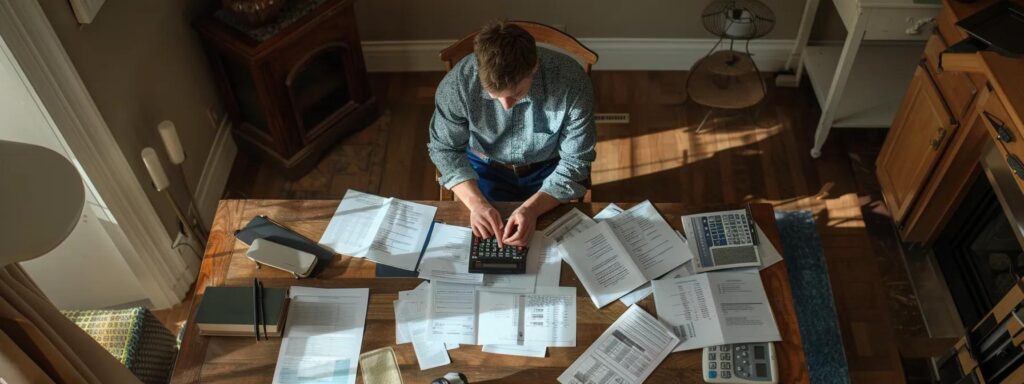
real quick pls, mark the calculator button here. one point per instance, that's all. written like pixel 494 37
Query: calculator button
pixel 711 356
pixel 739 368
pixel 725 356
pixel 743 354
pixel 712 374
pixel 726 365
pixel 712 348
pixel 726 374
pixel 724 348
pixel 712 365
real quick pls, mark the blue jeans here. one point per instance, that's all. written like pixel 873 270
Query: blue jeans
pixel 503 185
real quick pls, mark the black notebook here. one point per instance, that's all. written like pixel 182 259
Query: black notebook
pixel 228 311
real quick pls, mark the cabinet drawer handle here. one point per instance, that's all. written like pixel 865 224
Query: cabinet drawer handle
pixel 1015 165
pixel 938 138
pixel 1002 132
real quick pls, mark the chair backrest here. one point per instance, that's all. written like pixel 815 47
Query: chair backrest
pixel 543 34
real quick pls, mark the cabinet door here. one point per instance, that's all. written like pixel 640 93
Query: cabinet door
pixel 915 143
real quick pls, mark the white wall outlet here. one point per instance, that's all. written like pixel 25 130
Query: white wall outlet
pixel 187 247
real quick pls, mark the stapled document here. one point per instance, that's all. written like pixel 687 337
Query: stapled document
pixel 385 230
pixel 715 308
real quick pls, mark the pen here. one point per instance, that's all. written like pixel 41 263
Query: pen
pixel 255 310
pixel 263 313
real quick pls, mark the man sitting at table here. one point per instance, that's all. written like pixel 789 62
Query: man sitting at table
pixel 513 123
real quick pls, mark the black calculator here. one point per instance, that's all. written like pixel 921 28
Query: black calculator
pixel 486 257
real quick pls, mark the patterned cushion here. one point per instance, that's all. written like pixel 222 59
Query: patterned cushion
pixel 134 336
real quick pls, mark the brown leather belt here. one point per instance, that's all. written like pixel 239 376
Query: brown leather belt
pixel 518 170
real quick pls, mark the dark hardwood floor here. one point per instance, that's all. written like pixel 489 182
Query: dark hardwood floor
pixel 658 156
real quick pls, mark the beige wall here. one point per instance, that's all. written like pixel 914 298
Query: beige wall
pixel 143 63
pixel 451 19
pixel 828 26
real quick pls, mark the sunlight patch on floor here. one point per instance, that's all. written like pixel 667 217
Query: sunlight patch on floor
pixel 626 157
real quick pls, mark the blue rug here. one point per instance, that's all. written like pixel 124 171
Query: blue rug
pixel 812 296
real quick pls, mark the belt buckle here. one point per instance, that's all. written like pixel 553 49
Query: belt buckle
pixel 516 168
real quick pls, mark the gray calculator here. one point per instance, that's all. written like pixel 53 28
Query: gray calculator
pixel 740 363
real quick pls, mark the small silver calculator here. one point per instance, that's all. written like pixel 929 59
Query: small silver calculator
pixel 740 363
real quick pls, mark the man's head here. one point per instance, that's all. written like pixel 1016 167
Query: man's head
pixel 507 58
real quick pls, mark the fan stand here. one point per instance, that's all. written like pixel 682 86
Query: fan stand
pixel 723 79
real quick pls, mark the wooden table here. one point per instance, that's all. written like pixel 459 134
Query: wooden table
pixel 242 359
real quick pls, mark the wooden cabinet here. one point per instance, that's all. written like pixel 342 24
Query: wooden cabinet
pixel 293 88
pixel 915 142
pixel 957 105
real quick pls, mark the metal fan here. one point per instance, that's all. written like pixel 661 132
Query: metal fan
pixel 729 79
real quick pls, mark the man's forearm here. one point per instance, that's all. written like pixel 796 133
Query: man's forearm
pixel 540 203
pixel 470 195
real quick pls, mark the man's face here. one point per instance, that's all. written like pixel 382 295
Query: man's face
pixel 510 97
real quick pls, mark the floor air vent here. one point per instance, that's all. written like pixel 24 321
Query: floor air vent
pixel 611 118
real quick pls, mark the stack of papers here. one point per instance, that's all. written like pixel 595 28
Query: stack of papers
pixel 623 252
pixel 385 230
pixel 456 307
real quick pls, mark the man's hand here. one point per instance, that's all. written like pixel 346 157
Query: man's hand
pixel 520 226
pixel 486 222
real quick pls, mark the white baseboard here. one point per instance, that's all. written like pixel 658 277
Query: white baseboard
pixel 640 54
pixel 215 173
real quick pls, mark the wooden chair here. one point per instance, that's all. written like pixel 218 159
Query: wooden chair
pixel 543 34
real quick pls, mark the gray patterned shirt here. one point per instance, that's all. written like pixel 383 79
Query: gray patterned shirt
pixel 554 120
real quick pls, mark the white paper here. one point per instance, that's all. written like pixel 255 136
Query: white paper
pixel 352 228
pixel 715 308
pixel 602 264
pixel 386 230
pixel 452 313
pixel 766 250
pixel 430 353
pixel 646 290
pixel 411 315
pixel 323 335
pixel 547 318
pixel 609 211
pixel 446 258
pixel 650 241
pixel 569 225
pixel 627 352
pixel 516 350
pixel 549 273
pixel 500 317
pixel 402 234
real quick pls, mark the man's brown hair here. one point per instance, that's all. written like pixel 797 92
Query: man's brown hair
pixel 506 54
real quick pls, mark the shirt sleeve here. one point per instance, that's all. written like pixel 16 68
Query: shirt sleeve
pixel 449 134
pixel 575 148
